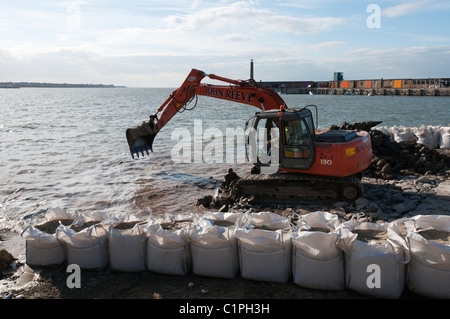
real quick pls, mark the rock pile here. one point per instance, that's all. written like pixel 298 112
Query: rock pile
pixel 391 159
pixel 222 198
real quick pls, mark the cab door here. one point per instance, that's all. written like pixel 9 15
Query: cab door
pixel 263 142
pixel 296 145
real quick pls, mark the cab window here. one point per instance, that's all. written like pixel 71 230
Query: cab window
pixel 296 134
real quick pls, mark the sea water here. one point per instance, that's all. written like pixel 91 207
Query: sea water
pixel 67 147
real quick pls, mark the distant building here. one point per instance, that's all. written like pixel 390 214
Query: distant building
pixel 338 76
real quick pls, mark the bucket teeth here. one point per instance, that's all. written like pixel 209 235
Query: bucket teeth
pixel 140 151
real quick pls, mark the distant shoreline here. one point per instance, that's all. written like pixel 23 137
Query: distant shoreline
pixel 18 85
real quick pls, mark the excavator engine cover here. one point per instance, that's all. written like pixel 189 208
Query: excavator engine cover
pixel 141 139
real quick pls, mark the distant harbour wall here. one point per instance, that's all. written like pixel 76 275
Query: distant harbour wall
pixel 19 85
pixel 382 91
pixel 399 92
pixel 400 87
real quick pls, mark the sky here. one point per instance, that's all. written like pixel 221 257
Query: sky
pixel 155 43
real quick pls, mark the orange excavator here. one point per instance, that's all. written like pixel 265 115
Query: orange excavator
pixel 297 161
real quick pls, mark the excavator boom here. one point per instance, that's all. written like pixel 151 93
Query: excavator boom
pixel 140 139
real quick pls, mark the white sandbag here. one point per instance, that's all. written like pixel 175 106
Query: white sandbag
pixel 385 130
pixel 170 219
pixel 42 249
pixel 375 268
pixel 428 136
pixel 265 220
pixel 403 134
pixel 265 255
pixel 318 263
pixel 58 213
pixel 213 250
pixel 88 248
pixel 122 218
pixel 42 245
pixel 127 248
pixel 444 142
pixel 428 272
pixel 223 219
pixel 168 252
pixel 87 219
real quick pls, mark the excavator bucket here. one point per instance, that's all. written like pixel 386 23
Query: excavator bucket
pixel 140 139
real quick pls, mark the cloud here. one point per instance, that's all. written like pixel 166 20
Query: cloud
pixel 405 9
pixel 236 37
pixel 195 4
pixel 243 14
pixel 303 4
pixel 415 61
pixel 329 45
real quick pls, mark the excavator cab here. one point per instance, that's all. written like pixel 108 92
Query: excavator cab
pixel 288 140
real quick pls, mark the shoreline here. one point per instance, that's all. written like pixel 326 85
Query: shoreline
pixel 20 85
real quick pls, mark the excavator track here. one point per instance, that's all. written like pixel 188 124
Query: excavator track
pixel 282 186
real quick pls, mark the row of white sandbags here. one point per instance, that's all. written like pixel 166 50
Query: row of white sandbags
pixel 104 243
pixel 87 248
pixel 379 269
pixel 338 260
pixel 274 251
pixel 334 260
pixel 431 136
pixel 204 247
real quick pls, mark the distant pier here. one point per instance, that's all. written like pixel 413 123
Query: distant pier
pixel 18 85
pixel 399 87
pixel 400 92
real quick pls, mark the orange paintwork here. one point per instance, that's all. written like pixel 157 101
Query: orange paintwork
pixel 340 159
pixel 239 91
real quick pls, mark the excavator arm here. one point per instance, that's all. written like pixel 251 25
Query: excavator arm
pixel 140 139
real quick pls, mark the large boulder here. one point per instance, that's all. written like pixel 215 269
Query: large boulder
pixel 5 259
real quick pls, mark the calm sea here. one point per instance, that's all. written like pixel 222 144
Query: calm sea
pixel 67 147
